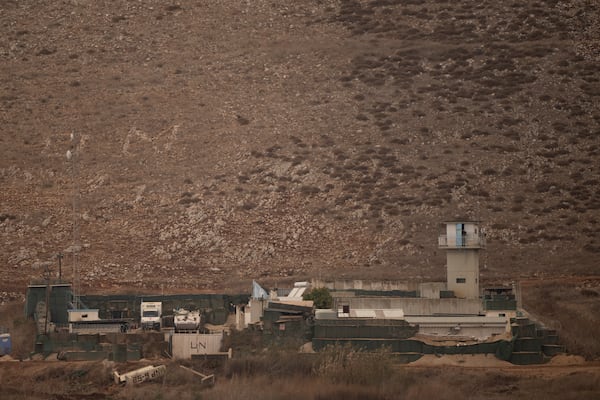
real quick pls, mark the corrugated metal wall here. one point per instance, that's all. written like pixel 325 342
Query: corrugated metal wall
pixel 60 296
pixel 216 307
pixel 363 328
pixel 531 344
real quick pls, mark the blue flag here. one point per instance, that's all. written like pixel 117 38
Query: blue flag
pixel 258 292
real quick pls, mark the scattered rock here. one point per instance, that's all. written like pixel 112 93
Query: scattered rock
pixel 72 249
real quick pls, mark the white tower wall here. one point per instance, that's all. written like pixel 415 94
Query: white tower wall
pixel 463 273
pixel 462 242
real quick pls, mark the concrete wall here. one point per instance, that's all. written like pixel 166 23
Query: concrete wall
pixel 91 328
pixel 254 311
pixel 240 317
pixel 349 284
pixel 463 264
pixel 462 327
pixel 184 345
pixel 503 313
pixel 431 290
pixel 414 306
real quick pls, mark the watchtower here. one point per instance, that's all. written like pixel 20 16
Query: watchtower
pixel 462 241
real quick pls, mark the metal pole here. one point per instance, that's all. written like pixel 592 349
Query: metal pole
pixel 59 256
pixel 72 155
pixel 75 230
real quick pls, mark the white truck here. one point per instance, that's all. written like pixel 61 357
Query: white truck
pixel 151 313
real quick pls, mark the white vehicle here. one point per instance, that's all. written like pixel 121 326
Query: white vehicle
pixel 186 321
pixel 151 313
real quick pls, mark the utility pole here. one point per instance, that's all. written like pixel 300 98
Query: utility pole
pixel 47 303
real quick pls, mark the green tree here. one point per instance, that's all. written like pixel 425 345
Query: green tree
pixel 320 296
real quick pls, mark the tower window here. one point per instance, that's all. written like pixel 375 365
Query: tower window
pixel 461 280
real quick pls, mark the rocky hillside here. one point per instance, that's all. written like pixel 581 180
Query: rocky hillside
pixel 220 141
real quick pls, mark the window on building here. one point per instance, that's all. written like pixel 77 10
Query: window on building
pixel 461 280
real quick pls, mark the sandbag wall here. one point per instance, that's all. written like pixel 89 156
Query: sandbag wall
pixel 533 344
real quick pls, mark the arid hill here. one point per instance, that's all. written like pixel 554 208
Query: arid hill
pixel 221 141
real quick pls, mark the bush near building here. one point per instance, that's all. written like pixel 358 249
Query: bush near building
pixel 320 296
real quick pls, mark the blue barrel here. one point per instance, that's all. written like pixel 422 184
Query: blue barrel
pixel 5 344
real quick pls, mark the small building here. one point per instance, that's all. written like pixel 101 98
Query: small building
pixel 87 321
pixel 262 303
pixel 185 346
pixel 287 318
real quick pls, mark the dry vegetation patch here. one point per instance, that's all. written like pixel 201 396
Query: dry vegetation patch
pixel 572 308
